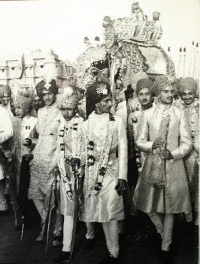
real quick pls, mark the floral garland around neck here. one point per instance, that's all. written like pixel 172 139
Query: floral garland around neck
pixel 76 147
pixel 94 181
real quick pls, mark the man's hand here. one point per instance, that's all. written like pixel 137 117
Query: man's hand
pixel 27 142
pixel 166 154
pixel 159 142
pixel 121 187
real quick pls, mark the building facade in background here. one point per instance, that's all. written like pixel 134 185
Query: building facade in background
pixel 30 68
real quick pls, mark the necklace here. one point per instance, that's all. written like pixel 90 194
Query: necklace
pixel 96 165
pixel 74 129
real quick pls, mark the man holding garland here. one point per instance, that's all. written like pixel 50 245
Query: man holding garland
pixel 105 158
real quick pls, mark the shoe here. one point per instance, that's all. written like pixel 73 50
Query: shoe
pixel 110 260
pixel 89 244
pixel 63 257
pixel 57 241
pixel 167 258
pixel 39 239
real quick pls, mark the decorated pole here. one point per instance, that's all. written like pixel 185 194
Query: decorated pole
pixel 179 61
pixel 195 56
pixel 191 57
pixel 184 58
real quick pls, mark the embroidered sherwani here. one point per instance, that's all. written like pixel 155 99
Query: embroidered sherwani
pixel 105 205
pixel 6 132
pixel 191 160
pixel 45 154
pixel 174 197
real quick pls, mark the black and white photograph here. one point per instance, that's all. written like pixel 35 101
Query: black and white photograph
pixel 99 131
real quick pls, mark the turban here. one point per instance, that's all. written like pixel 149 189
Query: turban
pixel 135 5
pixel 187 83
pixel 68 98
pixel 23 102
pixel 45 87
pixel 156 14
pixel 96 93
pixel 5 89
pixel 144 83
pixel 107 19
pixel 137 77
pixel 161 83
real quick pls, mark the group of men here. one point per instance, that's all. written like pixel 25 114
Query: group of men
pixel 88 163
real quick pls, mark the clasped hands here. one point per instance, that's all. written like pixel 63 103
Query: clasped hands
pixel 164 153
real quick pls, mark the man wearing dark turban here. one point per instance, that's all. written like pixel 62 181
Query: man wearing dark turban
pixel 105 160
pixel 42 168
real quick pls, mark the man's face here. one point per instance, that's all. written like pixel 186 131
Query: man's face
pixel 37 104
pixel 67 112
pixel 5 100
pixel 49 98
pixel 188 96
pixel 145 97
pixel 105 105
pixel 25 91
pixel 166 95
pixel 20 112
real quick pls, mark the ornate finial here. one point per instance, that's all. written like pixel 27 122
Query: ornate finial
pixel 197 45
pixel 184 50
pixel 180 50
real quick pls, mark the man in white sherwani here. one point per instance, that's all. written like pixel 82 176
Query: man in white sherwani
pixel 162 188
pixel 6 132
pixel 105 158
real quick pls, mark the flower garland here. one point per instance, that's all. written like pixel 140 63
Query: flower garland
pixel 74 129
pixel 94 181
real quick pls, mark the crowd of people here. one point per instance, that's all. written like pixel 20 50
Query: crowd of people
pixel 84 151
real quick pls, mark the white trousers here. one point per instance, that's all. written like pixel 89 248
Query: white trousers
pixel 111 234
pixel 67 232
pixel 164 224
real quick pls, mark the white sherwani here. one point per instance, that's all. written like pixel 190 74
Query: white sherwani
pixel 106 205
pixel 174 198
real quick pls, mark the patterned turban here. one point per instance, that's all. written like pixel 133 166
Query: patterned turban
pixel 144 83
pixel 136 78
pixel 161 83
pixel 23 102
pixel 156 14
pixel 96 93
pixel 5 89
pixel 107 19
pixel 68 98
pixel 134 5
pixel 186 83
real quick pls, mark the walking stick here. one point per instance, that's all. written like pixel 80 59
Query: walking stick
pixel 50 209
pixel 75 164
